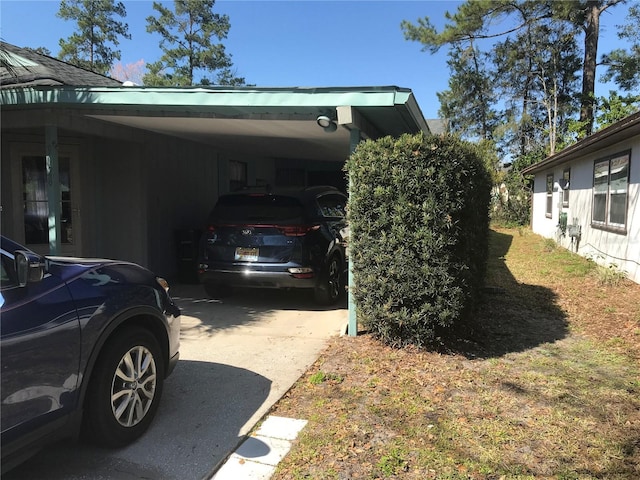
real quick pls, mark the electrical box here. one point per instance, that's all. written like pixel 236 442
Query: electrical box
pixel 574 231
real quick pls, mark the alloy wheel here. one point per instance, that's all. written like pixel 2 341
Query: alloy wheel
pixel 134 386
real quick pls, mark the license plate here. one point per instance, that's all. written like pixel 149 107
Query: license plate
pixel 246 254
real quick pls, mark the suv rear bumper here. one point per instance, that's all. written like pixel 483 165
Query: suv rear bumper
pixel 255 279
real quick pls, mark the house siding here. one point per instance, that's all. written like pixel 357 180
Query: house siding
pixel 604 247
pixel 133 196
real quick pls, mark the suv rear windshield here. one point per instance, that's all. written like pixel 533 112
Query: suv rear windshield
pixel 257 209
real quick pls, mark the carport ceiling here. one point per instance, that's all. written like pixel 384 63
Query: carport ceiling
pixel 275 138
pixel 265 122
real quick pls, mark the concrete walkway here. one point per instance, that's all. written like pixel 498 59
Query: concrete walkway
pixel 258 456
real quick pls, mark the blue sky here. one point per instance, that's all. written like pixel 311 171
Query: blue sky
pixel 290 43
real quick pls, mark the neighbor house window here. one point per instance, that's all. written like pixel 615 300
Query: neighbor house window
pixel 566 176
pixel 610 187
pixel 549 195
pixel 237 175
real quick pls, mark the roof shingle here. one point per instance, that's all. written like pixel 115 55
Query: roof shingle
pixel 29 68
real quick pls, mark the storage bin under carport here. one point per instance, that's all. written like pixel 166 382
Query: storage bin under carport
pixel 187 242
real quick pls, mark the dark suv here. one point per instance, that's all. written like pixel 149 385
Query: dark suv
pixel 281 238
pixel 86 345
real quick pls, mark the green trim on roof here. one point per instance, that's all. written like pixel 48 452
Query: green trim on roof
pixel 201 97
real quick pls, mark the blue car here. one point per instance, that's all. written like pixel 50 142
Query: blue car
pixel 86 346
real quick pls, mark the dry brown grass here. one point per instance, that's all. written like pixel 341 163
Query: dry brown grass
pixel 544 384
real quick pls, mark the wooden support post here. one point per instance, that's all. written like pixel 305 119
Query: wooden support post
pixel 53 189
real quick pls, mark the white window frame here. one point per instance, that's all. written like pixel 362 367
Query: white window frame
pixel 549 186
pixel 607 183
pixel 566 176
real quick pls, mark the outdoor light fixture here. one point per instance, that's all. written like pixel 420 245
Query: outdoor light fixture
pixel 324 121
pixel 327 124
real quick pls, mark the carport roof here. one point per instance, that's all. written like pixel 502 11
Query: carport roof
pixel 274 122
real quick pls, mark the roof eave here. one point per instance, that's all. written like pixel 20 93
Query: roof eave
pixel 200 96
pixel 621 130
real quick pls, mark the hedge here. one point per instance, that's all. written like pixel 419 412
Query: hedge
pixel 419 219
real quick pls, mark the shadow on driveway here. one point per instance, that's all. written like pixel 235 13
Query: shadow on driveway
pixel 203 408
pixel 202 315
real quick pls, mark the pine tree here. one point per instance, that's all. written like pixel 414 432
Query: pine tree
pixel 624 65
pixel 585 14
pixel 529 63
pixel 98 32
pixel 188 34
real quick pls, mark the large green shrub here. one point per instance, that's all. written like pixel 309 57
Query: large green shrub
pixel 418 212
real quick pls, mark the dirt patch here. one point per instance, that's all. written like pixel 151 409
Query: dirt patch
pixel 544 383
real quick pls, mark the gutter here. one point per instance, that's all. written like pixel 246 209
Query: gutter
pixel 621 130
pixel 406 97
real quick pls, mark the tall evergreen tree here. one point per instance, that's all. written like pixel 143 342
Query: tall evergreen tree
pixel 520 58
pixel 188 35
pixel 624 65
pixel 468 102
pixel 98 32
pixel 536 77
pixel 614 108
pixel 585 14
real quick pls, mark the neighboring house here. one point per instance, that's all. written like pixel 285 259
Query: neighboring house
pixel 587 197
pixel 139 168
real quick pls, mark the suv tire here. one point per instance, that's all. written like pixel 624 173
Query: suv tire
pixel 330 288
pixel 125 388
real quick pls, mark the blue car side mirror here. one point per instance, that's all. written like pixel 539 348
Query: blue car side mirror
pixel 29 267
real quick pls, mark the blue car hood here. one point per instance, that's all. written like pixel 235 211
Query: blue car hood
pixel 70 268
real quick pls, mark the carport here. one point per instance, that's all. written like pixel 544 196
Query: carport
pixel 134 164
pixel 185 135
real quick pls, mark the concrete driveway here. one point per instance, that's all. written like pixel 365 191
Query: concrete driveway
pixel 239 355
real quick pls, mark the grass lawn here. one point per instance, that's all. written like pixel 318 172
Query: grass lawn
pixel 544 384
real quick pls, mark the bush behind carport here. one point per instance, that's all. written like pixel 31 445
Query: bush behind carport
pixel 418 212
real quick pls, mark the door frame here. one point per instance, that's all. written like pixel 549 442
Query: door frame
pixel 17 151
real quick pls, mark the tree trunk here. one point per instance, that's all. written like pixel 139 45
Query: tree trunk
pixel 591 30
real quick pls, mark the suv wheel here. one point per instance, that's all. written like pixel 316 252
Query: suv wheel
pixel 125 388
pixel 329 290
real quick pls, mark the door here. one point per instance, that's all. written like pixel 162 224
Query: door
pixel 40 347
pixel 34 214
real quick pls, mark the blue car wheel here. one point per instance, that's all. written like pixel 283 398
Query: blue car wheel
pixel 125 389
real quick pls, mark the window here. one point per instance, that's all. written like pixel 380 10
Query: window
pixel 610 186
pixel 36 200
pixel 257 208
pixel 566 177
pixel 549 195
pixel 237 175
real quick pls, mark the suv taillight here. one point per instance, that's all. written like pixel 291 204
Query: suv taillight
pixel 297 230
